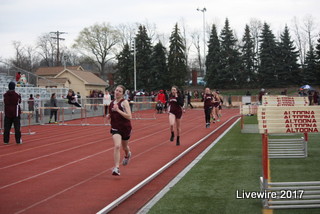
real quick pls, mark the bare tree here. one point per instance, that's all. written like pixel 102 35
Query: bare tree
pixel 255 27
pixel 196 37
pixel 46 49
pixel 127 33
pixel 25 57
pixel 98 42
pixel 187 44
pixel 300 40
pixel 152 30
pixel 309 27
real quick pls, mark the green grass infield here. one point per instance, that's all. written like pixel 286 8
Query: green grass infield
pixel 233 166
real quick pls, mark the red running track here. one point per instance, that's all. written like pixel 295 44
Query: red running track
pixel 67 169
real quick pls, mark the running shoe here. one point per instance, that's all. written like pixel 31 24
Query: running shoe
pixel 208 125
pixel 6 143
pixel 116 171
pixel 126 159
pixel 172 136
pixel 178 141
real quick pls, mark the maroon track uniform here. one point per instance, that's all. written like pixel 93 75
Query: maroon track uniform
pixel 207 105
pixel 208 98
pixel 216 101
pixel 175 104
pixel 119 124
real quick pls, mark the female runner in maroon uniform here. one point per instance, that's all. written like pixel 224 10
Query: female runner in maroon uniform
pixel 120 115
pixel 175 112
pixel 207 105
pixel 215 103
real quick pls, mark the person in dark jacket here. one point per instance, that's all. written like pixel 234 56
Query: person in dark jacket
pixel 12 112
pixel 53 103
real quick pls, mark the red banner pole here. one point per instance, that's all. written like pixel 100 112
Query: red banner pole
pixel 265 155
pixel 306 136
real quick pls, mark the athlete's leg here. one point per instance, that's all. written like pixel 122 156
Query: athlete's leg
pixel 178 127
pixel 125 147
pixel 172 119
pixel 116 153
pixel 178 132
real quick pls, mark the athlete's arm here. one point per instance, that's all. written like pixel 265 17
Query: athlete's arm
pixel 127 111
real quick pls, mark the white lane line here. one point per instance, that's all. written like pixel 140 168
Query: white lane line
pixel 145 209
pixel 119 200
pixel 78 160
pixel 105 171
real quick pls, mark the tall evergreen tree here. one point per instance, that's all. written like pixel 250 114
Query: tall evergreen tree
pixel 230 59
pixel 143 54
pixel 310 70
pixel 318 60
pixel 247 77
pixel 159 69
pixel 124 75
pixel 177 59
pixel 288 72
pixel 213 59
pixel 268 58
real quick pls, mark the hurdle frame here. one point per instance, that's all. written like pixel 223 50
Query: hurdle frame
pixel 29 113
pixel 105 123
pixel 300 194
pixel 137 111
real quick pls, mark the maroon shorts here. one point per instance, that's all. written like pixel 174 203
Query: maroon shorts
pixel 125 132
pixel 177 113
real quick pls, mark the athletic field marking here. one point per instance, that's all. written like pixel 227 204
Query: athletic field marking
pixel 172 183
pixel 76 161
pixel 51 144
pixel 51 170
pixel 105 171
pixel 48 155
pixel 115 203
pixel 59 193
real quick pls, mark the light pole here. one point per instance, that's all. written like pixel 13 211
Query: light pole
pixel 203 10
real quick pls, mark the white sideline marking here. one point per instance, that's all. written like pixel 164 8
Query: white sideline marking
pixel 78 184
pixel 116 202
pixel 157 197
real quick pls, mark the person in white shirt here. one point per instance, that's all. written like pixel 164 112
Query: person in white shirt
pixel 106 101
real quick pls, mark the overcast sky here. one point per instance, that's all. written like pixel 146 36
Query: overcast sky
pixel 26 20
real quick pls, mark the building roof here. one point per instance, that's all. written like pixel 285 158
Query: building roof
pixel 87 77
pixel 52 81
pixel 53 71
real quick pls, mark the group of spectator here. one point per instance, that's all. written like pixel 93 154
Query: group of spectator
pixel 21 79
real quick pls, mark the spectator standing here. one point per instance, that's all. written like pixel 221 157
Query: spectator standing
pixel 189 99
pixel 261 93
pixel 31 103
pixel 18 76
pixel 37 104
pixel 12 112
pixel 106 101
pixel 53 103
